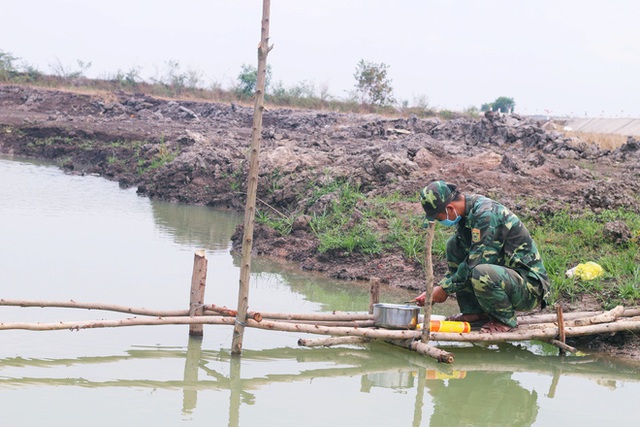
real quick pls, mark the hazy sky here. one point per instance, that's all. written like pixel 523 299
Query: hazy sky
pixel 560 57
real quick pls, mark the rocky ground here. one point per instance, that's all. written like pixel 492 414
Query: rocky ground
pixel 196 152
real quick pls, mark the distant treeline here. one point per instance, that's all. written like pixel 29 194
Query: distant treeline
pixel 372 92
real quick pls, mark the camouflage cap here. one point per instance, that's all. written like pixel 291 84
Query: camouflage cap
pixel 436 196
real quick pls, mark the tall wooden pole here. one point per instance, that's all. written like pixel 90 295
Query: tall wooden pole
pixel 252 183
pixel 428 266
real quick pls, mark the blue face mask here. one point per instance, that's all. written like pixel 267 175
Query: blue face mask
pixel 450 222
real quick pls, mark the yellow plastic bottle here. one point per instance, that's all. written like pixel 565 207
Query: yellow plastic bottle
pixel 448 326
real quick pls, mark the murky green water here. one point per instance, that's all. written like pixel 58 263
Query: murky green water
pixel 68 237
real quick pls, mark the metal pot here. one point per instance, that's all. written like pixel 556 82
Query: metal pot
pixel 395 316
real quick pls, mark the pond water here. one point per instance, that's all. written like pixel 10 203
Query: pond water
pixel 82 238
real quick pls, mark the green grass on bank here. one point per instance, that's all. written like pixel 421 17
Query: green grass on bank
pixel 355 223
pixel 565 240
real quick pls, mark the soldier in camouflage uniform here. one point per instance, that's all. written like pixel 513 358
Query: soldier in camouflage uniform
pixel 494 265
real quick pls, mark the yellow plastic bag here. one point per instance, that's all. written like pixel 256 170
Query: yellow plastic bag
pixel 588 271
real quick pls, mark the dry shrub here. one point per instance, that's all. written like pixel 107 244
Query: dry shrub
pixel 606 141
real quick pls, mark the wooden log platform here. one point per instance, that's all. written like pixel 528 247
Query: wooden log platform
pixel 354 327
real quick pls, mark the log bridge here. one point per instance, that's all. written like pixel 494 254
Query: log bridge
pixel 342 328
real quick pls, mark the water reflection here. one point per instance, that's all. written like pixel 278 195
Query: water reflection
pixel 191 370
pixel 199 226
pixel 476 390
pixel 331 293
pixel 483 398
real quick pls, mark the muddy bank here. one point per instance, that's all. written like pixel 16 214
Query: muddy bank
pixel 195 152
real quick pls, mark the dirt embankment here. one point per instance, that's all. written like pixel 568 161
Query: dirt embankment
pixel 195 152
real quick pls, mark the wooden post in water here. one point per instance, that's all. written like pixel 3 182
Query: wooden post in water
pixel 198 283
pixel 374 293
pixel 252 184
pixel 428 266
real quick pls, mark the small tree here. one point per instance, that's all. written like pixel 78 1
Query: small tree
pixel 502 104
pixel 247 80
pixel 128 78
pixel 174 80
pixel 7 68
pixel 372 83
pixel 64 72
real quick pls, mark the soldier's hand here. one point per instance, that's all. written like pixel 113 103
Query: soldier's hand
pixel 439 295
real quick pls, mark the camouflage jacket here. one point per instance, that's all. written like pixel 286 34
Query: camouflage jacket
pixel 491 234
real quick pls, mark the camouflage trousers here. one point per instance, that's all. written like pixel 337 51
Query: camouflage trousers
pixel 496 290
